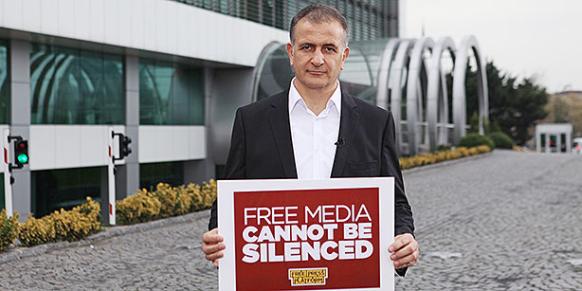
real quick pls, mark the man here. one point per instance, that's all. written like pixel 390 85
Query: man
pixel 315 131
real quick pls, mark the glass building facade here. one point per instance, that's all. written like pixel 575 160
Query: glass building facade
pixel 368 19
pixel 170 94
pixel 56 189
pixel 153 173
pixel 4 84
pixel 72 86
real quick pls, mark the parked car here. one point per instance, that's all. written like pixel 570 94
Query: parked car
pixel 577 146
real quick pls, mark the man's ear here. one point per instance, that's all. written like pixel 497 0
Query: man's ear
pixel 290 52
pixel 345 55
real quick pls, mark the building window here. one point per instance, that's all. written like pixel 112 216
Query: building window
pixel 72 86
pixel 4 84
pixel 170 94
pixel 56 189
pixel 153 173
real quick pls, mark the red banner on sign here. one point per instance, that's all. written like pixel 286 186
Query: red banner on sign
pixel 307 239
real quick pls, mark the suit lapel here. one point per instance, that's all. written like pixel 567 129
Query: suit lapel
pixel 349 119
pixel 279 118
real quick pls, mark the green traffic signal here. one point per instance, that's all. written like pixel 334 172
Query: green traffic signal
pixel 22 158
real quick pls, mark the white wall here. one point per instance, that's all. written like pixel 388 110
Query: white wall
pixel 171 143
pixel 70 146
pixel 154 25
pixel 75 146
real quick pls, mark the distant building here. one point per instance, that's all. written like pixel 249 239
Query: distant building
pixel 553 138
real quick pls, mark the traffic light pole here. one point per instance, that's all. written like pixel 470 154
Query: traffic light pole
pixel 124 151
pixel 6 166
pixel 111 178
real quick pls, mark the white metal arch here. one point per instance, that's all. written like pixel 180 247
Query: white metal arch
pixel 383 73
pixel 437 100
pixel 395 84
pixel 413 100
pixel 468 44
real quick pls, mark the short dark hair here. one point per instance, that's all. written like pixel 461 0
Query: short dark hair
pixel 318 13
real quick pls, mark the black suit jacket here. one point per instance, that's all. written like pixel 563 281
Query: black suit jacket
pixel 261 148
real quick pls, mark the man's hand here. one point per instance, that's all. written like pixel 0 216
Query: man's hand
pixel 213 246
pixel 404 251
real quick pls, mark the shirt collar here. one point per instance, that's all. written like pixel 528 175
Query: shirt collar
pixel 295 98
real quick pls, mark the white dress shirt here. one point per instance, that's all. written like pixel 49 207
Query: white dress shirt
pixel 314 136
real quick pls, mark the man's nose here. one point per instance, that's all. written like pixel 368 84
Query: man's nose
pixel 317 59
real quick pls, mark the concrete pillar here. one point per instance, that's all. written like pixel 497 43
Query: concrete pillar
pixel 196 171
pixel 127 177
pixel 547 142
pixel 19 60
pixel 559 142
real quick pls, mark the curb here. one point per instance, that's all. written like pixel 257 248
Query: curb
pixel 19 253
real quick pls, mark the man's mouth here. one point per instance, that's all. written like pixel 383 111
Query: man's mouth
pixel 316 72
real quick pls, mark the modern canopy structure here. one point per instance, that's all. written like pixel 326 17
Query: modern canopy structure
pixel 405 76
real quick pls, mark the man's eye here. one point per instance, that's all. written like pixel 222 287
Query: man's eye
pixel 330 50
pixel 305 47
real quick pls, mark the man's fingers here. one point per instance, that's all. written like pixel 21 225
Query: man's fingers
pixel 212 248
pixel 214 256
pixel 404 251
pixel 407 261
pixel 212 237
pixel 400 241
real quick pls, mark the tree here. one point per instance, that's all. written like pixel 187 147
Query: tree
pixel 514 106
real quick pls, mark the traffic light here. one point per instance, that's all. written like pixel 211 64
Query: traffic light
pixel 124 149
pixel 20 153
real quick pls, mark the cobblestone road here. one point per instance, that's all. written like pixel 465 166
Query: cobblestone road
pixel 506 221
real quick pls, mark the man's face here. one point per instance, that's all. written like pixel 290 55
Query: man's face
pixel 318 54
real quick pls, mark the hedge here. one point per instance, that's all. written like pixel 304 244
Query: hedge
pixel 501 140
pixel 8 229
pixel 475 139
pixel 62 225
pixel 432 158
pixel 165 201
pixel 83 220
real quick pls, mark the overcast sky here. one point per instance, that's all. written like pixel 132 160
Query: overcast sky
pixel 540 38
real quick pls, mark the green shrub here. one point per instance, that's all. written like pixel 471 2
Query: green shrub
pixel 472 140
pixel 195 193
pixel 165 201
pixel 77 223
pixel 139 207
pixel 8 229
pixel 208 191
pixel 501 140
pixel 436 157
pixel 69 225
pixel 183 201
pixel 168 197
pixel 37 231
